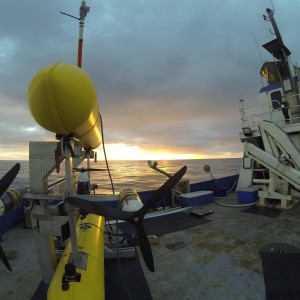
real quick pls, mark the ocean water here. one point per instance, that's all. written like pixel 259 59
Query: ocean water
pixel 136 174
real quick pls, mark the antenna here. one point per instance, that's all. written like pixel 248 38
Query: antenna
pixel 272 20
pixel 272 6
pixel 83 11
pixel 257 48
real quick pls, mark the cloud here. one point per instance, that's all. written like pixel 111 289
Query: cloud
pixel 168 72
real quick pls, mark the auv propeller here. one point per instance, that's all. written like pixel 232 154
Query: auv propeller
pixel 135 218
pixel 5 182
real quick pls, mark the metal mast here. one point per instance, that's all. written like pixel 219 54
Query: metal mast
pixel 83 10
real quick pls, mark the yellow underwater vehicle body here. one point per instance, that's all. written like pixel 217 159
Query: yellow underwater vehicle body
pixel 86 280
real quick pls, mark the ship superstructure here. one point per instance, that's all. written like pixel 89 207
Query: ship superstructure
pixel 271 138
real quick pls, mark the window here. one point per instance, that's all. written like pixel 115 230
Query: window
pixel 276 100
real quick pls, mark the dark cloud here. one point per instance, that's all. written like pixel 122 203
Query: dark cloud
pixel 169 73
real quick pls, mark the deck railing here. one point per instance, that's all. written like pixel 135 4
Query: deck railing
pixel 252 115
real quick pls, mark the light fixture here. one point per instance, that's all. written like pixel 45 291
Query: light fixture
pixel 247 131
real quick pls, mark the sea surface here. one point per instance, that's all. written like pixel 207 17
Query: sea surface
pixel 136 174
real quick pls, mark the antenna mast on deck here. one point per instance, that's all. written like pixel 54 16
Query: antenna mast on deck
pixel 276 47
pixel 83 10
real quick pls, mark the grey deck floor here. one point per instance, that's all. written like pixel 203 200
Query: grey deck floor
pixel 218 260
pixel 19 245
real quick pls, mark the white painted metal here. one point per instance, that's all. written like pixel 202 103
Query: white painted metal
pixel 70 208
pixel 41 164
pixel 274 141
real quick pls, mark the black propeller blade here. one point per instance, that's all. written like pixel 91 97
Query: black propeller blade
pixel 8 178
pixel 135 218
pixel 5 182
pixel 4 259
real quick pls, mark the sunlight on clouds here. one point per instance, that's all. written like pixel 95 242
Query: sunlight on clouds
pixel 120 152
pixel 127 152
pixel 227 155
pixel 10 154
pixel 31 129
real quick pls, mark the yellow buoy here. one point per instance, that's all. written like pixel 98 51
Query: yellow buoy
pixel 62 98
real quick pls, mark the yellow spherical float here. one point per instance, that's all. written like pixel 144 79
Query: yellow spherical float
pixel 62 98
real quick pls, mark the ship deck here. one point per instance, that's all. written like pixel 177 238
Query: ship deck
pixel 218 259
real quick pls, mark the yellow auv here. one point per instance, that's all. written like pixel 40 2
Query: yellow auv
pixel 91 286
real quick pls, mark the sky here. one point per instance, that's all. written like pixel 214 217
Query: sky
pixel 169 73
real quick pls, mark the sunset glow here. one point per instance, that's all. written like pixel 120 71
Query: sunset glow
pixel 127 152
pixel 124 152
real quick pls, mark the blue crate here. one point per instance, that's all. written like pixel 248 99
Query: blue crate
pixel 196 198
pixel 247 195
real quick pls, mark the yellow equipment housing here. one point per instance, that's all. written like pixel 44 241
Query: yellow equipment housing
pixel 90 238
pixel 62 98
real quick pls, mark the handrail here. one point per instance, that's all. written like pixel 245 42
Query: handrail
pixel 252 119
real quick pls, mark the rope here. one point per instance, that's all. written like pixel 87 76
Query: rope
pixel 234 205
